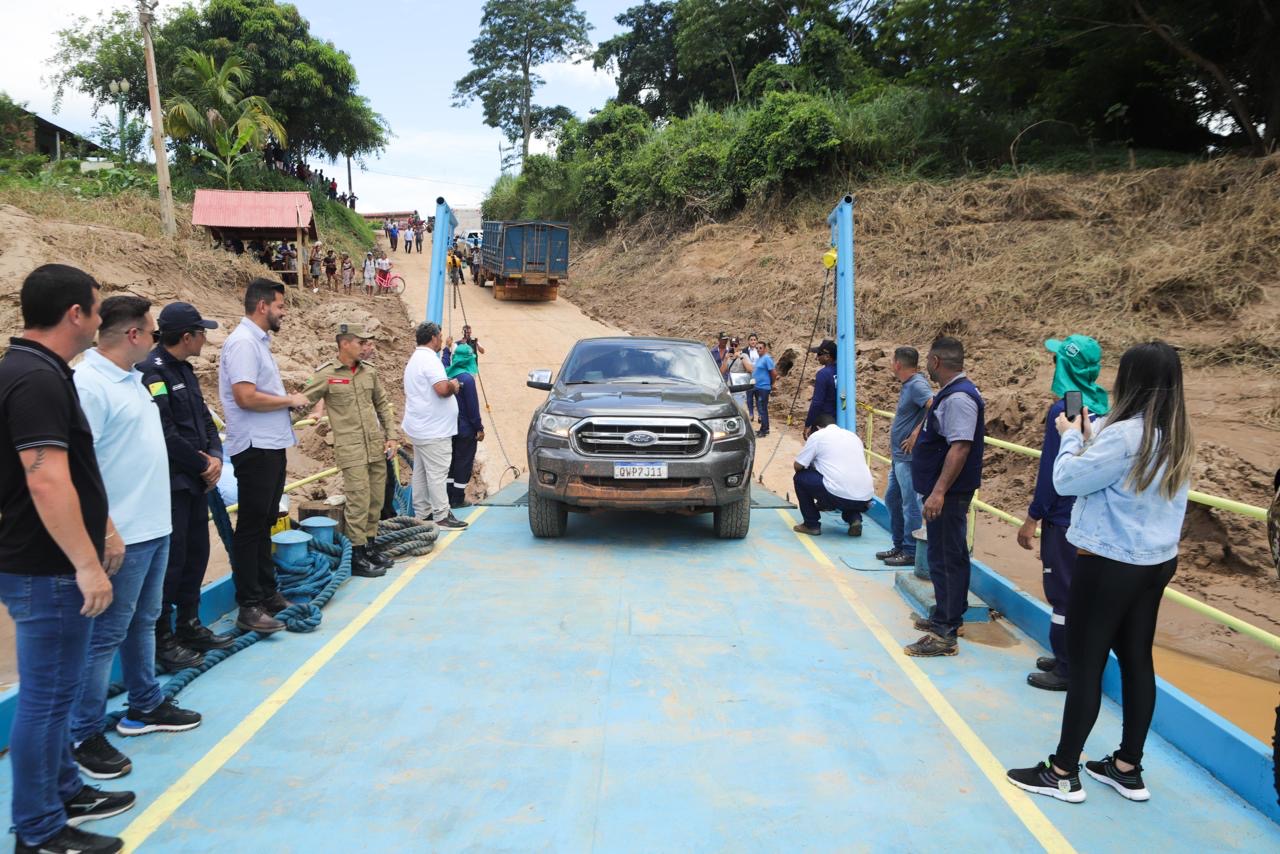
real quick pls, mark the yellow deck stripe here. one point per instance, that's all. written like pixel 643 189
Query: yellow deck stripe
pixel 198 774
pixel 1049 837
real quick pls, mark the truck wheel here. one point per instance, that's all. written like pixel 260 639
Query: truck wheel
pixel 547 517
pixel 732 521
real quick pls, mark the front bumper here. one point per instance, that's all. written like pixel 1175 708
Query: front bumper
pixel 691 483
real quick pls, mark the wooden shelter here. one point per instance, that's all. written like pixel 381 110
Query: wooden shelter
pixel 257 215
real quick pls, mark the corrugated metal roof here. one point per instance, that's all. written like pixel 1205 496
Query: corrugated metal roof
pixel 233 209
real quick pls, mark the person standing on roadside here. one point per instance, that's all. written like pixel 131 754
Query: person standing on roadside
pixel 195 465
pixel 750 355
pixel 430 422
pixel 369 268
pixel 1132 478
pixel 129 442
pixel 1077 363
pixel 393 233
pixel 470 426
pixel 900 494
pixel 764 372
pixel 54 558
pixel 364 438
pixel 824 387
pixel 946 466
pixel 256 407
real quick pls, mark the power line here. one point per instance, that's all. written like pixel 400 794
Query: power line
pixel 426 178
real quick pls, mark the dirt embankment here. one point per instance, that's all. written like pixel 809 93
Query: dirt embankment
pixel 187 269
pixel 1188 255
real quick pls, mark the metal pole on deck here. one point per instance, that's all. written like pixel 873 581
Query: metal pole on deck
pixel 841 222
pixel 441 239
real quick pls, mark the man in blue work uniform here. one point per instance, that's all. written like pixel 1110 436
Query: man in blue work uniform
pixel 195 464
pixel 946 468
pixel 824 387
pixel 1076 364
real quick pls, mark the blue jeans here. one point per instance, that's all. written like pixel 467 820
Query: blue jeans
pixel 904 507
pixel 52 640
pixel 761 396
pixel 949 566
pixel 129 626
pixel 813 497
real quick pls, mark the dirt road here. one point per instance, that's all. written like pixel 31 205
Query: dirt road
pixel 518 337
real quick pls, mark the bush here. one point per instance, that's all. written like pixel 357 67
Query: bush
pixel 28 165
pixel 788 138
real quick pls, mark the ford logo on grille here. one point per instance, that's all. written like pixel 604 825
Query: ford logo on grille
pixel 641 438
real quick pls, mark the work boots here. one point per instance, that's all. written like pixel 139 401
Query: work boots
pixel 171 655
pixel 377 558
pixel 361 565
pixel 194 635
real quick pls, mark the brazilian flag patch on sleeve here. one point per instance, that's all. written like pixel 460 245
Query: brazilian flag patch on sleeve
pixel 158 389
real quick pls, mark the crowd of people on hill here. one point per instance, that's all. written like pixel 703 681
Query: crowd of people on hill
pixel 274 157
pixel 105 472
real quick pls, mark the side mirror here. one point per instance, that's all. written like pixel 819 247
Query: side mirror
pixel 739 383
pixel 539 378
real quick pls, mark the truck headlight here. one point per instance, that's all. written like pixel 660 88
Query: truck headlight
pixel 725 428
pixel 556 425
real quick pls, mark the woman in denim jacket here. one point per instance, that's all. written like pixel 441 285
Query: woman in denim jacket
pixel 1131 479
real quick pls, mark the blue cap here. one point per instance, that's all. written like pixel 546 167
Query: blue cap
pixel 181 316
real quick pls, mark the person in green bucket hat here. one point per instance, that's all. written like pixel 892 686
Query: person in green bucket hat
pixel 462 367
pixel 1077 361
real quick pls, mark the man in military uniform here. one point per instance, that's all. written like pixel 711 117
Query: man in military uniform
pixel 195 464
pixel 364 433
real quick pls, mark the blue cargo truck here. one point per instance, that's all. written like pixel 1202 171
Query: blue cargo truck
pixel 525 260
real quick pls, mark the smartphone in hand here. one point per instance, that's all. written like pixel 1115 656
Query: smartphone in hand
pixel 1075 403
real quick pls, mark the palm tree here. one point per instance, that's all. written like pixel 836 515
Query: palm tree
pixel 210 108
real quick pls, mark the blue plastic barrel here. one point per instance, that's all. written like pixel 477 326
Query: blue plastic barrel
pixel 322 528
pixel 291 546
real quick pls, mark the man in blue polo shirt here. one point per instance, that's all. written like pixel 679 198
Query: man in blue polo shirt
pixel 128 440
pixel 899 495
pixel 946 467
pixel 824 387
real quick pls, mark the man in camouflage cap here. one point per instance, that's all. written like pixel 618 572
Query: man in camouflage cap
pixel 364 435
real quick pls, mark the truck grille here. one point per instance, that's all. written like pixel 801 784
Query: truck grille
pixel 667 437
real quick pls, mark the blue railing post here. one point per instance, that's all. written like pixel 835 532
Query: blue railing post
pixel 441 239
pixel 841 222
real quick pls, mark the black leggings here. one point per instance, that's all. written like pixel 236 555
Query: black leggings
pixel 1113 607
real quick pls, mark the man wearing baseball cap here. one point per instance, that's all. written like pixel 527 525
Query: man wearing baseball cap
pixel 195 464
pixel 824 387
pixel 1077 361
pixel 364 438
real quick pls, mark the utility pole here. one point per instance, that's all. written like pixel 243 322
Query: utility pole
pixel 146 14
pixel 349 191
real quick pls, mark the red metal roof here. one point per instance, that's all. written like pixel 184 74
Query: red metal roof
pixel 251 209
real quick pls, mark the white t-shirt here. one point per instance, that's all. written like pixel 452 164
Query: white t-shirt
pixel 427 415
pixel 382 264
pixel 368 268
pixel 838 456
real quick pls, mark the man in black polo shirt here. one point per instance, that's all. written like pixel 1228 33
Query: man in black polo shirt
pixel 57 548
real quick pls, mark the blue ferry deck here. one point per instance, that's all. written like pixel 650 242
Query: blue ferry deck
pixel 640 686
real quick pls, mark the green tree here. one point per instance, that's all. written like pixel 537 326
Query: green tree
pixel 517 36
pixel 209 105
pixel 718 42
pixel 643 58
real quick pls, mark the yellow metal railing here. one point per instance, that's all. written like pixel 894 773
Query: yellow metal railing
pixel 1227 504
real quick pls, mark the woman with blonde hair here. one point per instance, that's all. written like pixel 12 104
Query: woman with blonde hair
pixel 1131 476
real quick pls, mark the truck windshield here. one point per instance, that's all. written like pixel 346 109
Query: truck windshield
pixel 616 361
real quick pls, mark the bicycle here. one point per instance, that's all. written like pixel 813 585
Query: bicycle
pixel 389 283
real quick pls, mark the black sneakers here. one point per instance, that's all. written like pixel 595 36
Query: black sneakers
pixel 72 841
pixel 1127 783
pixel 166 717
pixel 932 646
pixel 900 559
pixel 885 555
pixel 921 624
pixel 452 522
pixel 1043 780
pixel 99 760
pixel 92 804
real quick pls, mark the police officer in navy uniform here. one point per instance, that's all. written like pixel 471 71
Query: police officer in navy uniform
pixel 195 464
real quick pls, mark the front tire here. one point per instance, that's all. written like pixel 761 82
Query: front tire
pixel 732 521
pixel 547 517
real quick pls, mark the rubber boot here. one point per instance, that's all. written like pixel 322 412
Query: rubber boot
pixel 192 634
pixel 360 564
pixel 172 656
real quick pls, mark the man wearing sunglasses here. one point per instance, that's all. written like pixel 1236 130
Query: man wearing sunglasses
pixel 128 440
pixel 195 464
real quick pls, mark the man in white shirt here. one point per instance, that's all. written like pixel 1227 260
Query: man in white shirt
pixel 430 421
pixel 832 474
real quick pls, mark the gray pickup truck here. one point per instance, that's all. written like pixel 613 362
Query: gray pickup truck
pixel 639 424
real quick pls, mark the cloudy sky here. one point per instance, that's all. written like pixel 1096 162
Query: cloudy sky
pixel 408 53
